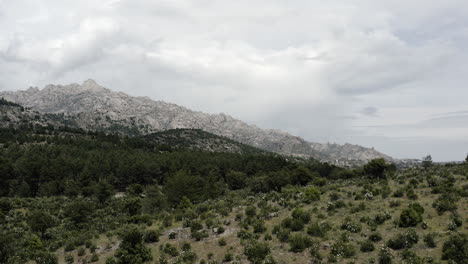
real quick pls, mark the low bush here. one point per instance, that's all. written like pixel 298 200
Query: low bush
pixel 401 241
pixel 456 249
pixel 299 242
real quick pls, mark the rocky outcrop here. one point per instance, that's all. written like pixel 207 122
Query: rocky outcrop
pixel 92 106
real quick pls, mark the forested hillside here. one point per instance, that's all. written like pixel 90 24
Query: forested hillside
pixel 187 196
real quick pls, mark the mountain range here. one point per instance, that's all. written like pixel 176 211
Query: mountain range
pixel 92 107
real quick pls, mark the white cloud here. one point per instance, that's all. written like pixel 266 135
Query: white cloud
pixel 302 66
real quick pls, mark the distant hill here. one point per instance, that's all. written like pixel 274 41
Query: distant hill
pixel 91 106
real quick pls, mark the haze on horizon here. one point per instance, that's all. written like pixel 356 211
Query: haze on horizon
pixel 385 74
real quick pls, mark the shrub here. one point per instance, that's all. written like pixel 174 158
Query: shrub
pixel 222 242
pixel 311 194
pixel 46 258
pixel 410 257
pixel 315 249
pixel 258 226
pixel 94 257
pixel 401 241
pixel 367 246
pixel 169 249
pixel 283 234
pixel 199 235
pixel 250 211
pixel 299 242
pixel 318 230
pixel 69 259
pixel 385 256
pixel 429 240
pixel 256 252
pixel 151 236
pixel 381 218
pixel 81 251
pixel 446 202
pixel 399 193
pixel 299 213
pixel 228 257
pixel 375 237
pixel 411 216
pixel 350 226
pixel 111 260
pixel 456 249
pixel 342 249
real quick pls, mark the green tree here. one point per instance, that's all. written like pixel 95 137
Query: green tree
pixel 132 250
pixel 154 200
pixel 103 191
pixel 376 168
pixel 181 184
pixel 301 176
pixel 40 221
pixel 427 161
pixel 79 211
pixel 236 179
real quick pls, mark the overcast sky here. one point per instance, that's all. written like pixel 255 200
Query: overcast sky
pixel 386 74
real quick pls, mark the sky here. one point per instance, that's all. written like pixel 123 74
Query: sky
pixel 388 74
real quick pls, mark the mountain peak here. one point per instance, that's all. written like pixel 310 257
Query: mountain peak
pixel 91 84
pixel 98 107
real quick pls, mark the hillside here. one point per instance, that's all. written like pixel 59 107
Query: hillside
pixel 69 195
pixel 73 196
pixel 92 106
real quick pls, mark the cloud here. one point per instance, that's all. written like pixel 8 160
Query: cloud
pixel 370 111
pixel 322 70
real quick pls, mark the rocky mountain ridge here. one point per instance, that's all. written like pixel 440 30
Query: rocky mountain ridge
pixel 92 106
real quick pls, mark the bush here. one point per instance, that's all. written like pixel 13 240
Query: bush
pixel 410 257
pixel 311 194
pixel 411 216
pixel 250 211
pixel 375 237
pixel 456 249
pixel 222 242
pixel 256 252
pixel 350 226
pixel 228 257
pixel 199 235
pixel 367 246
pixel 446 202
pixel 315 250
pixel 342 249
pixel 81 251
pixel 151 236
pixel 94 257
pixel 69 259
pixel 429 240
pixel 299 242
pixel 401 241
pixel 46 258
pixel 318 230
pixel 258 226
pixel 299 213
pixel 385 256
pixel 169 249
